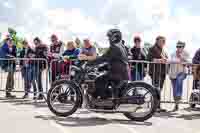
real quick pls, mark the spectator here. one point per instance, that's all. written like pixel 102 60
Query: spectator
pixel 88 52
pixel 158 69
pixel 196 70
pixel 41 53
pixel 56 50
pixel 28 69
pixel 138 55
pixel 69 55
pixel 178 71
pixel 8 51
pixel 72 52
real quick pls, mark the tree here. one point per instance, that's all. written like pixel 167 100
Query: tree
pixel 100 49
pixel 17 40
pixel 78 43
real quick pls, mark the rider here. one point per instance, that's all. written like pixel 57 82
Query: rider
pixel 117 57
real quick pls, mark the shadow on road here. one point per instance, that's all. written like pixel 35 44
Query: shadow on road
pixel 190 114
pixel 193 114
pixel 18 102
pixel 192 109
pixel 86 122
pixel 166 114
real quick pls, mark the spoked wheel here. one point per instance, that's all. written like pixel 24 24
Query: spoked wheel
pixel 63 99
pixel 146 110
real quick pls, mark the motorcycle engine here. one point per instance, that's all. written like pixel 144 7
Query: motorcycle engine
pixel 92 76
pixel 90 82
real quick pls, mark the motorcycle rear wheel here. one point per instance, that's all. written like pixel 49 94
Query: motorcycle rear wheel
pixel 153 101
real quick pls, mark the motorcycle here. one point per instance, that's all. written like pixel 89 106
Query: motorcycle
pixel 136 100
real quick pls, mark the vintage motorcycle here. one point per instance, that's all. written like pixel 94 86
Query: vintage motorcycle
pixel 136 100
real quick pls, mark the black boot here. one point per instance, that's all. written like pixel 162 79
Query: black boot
pixel 40 97
pixel 177 100
pixel 176 108
pixel 195 85
pixel 159 109
pixel 35 96
pixel 9 95
pixel 25 96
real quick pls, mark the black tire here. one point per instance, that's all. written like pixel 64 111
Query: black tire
pixel 76 104
pixel 154 105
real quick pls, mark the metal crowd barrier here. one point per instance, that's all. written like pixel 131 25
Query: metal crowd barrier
pixel 22 75
pixel 157 74
pixel 160 75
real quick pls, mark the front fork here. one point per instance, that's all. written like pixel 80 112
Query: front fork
pixel 84 88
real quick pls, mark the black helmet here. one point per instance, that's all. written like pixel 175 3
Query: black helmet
pixel 114 36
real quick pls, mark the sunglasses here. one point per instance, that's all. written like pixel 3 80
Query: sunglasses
pixel 179 47
pixel 137 41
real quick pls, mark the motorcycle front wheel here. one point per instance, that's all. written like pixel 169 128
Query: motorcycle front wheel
pixel 63 98
pixel 145 111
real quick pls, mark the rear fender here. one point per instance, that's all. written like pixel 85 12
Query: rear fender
pixel 130 83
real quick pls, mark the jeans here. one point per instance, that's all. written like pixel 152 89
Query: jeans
pixel 177 85
pixel 136 75
pixel 29 75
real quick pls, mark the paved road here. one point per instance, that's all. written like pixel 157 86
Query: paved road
pixel 19 116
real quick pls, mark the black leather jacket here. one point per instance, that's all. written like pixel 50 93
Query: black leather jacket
pixel 41 53
pixel 117 57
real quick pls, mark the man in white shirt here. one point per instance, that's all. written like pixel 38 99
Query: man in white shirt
pixel 178 71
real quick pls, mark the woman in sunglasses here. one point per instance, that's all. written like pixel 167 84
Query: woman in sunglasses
pixel 178 71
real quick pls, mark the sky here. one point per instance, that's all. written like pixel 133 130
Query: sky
pixel 176 20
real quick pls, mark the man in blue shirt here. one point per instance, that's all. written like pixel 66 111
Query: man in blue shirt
pixel 88 52
pixel 8 50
